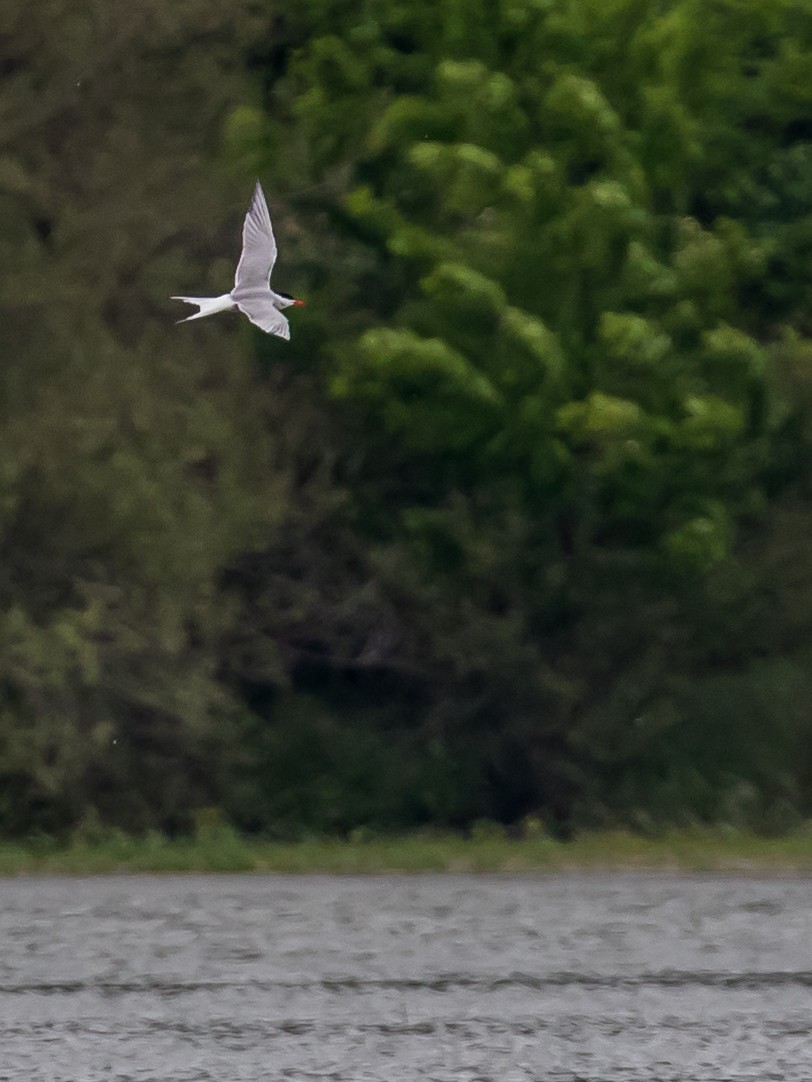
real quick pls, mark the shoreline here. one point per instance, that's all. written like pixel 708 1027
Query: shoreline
pixel 710 850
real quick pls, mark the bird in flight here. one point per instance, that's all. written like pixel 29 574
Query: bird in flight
pixel 252 294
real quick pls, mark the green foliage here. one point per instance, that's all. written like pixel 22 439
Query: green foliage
pixel 515 524
pixel 566 233
pixel 125 487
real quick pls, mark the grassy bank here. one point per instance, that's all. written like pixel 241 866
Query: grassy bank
pixel 490 851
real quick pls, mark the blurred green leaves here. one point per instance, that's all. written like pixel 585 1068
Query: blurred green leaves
pixel 575 227
pixel 517 522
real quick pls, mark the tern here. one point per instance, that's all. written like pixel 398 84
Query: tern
pixel 252 294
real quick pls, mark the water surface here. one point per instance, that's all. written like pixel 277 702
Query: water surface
pixel 471 978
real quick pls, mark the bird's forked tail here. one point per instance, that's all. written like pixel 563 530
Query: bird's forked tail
pixel 208 305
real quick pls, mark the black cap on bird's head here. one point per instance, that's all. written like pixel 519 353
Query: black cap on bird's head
pixel 293 300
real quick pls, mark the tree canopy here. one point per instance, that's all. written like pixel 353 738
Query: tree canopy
pixel 517 523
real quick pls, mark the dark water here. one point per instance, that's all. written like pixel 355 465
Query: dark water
pixel 392 978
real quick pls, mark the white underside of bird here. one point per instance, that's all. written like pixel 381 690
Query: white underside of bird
pixel 252 294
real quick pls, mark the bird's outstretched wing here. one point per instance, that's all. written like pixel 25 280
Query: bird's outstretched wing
pixel 262 312
pixel 258 245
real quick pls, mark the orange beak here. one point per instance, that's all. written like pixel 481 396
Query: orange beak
pixel 298 304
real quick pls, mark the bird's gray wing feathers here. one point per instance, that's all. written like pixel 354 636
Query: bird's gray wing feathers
pixel 263 313
pixel 258 245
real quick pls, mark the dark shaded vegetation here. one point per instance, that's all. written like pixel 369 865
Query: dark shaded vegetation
pixel 518 524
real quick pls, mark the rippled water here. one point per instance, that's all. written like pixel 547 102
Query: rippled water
pixel 506 978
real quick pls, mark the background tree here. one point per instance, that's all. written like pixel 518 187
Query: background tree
pixel 517 521
pixel 133 463
pixel 557 331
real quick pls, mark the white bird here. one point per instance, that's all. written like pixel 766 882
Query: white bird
pixel 252 294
